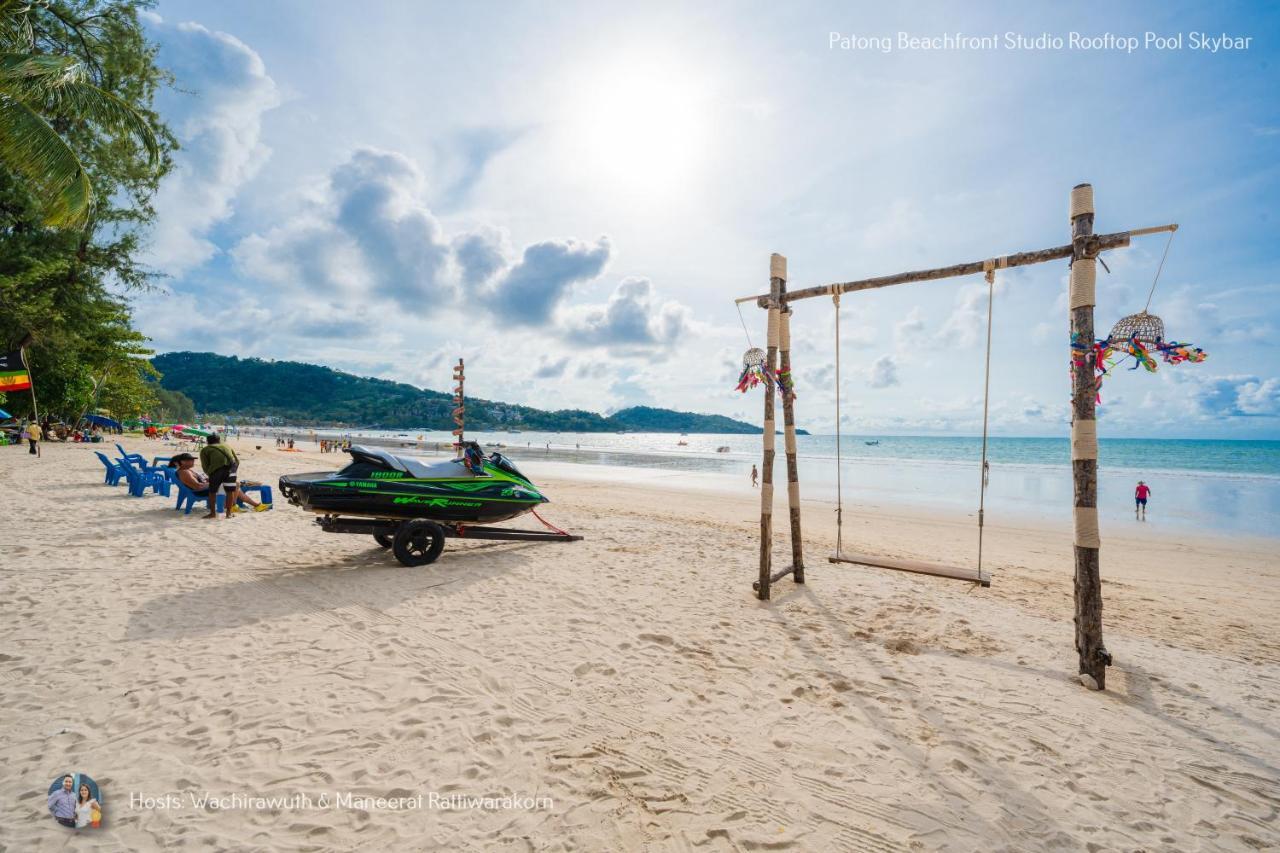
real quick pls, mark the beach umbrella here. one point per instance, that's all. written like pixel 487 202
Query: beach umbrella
pixel 102 421
pixel 5 416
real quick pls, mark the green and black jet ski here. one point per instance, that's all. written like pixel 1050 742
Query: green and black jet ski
pixel 473 490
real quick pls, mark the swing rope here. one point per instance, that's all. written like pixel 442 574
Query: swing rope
pixel 989 269
pixel 1159 270
pixel 835 297
pixel 743 321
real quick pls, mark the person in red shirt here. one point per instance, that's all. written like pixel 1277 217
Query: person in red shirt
pixel 1140 496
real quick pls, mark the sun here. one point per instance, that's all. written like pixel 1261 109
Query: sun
pixel 639 124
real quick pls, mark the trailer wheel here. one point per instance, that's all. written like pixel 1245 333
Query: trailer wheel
pixel 418 542
pixel 384 539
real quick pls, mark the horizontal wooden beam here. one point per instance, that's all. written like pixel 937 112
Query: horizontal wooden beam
pixel 1096 244
pixel 776 576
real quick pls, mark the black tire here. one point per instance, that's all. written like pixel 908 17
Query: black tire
pixel 386 540
pixel 418 542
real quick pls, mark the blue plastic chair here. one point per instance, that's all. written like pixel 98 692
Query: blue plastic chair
pixel 141 477
pixel 132 457
pixel 187 499
pixel 115 471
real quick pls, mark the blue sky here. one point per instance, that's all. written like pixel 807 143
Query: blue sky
pixel 571 195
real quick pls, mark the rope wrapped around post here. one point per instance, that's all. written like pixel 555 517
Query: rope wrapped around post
pixel 1093 655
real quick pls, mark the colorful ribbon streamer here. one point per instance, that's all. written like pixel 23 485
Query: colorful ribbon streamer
pixel 1105 355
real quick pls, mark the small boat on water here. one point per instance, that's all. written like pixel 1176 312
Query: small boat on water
pixel 682 444
pixel 722 449
pixel 871 443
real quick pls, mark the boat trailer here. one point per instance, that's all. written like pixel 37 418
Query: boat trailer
pixel 419 541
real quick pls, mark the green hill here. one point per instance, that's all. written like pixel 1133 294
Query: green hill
pixel 311 394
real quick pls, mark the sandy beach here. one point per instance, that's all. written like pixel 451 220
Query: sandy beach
pixel 627 687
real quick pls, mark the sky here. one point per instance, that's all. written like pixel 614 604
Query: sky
pixel 570 196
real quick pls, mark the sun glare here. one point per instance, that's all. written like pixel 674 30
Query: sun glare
pixel 639 125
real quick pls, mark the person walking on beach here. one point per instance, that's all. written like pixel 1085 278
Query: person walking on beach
pixel 755 477
pixel 1140 496
pixel 34 434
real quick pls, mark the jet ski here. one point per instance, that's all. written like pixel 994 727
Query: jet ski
pixel 472 490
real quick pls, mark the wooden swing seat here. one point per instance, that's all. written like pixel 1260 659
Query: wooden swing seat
pixel 918 567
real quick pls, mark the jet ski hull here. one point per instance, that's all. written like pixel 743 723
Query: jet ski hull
pixel 373 487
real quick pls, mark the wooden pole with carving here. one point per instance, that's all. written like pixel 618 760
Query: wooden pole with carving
pixel 459 407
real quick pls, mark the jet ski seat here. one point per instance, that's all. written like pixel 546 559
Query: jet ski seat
pixel 451 468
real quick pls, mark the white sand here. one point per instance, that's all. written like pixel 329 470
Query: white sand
pixel 631 678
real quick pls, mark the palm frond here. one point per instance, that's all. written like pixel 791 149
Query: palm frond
pixel 16 30
pixel 40 71
pixel 33 149
pixel 97 106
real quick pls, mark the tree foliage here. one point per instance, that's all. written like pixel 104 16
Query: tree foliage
pixel 54 77
pixel 65 288
pixel 310 393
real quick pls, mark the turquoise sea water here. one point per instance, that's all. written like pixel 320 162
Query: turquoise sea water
pixel 1203 486
pixel 1243 458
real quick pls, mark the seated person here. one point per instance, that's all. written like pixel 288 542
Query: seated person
pixel 473 458
pixel 198 483
pixel 188 476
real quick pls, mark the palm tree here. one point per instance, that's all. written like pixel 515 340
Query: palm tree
pixel 37 88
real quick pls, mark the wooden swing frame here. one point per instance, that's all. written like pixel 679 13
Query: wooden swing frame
pixel 1083 251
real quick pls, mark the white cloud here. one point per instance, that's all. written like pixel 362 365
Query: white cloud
pixel 530 291
pixel 1259 397
pixel 550 368
pixel 966 326
pixel 909 331
pixel 366 230
pixel 883 372
pixel 221 91
pixel 630 320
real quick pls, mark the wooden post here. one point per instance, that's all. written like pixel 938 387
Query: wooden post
pixel 22 357
pixel 777 274
pixel 459 408
pixel 789 422
pixel 1094 658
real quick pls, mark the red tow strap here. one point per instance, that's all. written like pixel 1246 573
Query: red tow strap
pixel 549 525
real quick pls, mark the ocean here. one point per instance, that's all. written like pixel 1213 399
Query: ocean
pixel 1203 486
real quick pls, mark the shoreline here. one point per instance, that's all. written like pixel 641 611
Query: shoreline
pixel 1021 493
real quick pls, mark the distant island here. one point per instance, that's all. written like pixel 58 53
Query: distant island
pixel 300 393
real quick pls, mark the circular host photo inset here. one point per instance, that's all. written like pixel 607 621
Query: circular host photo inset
pixel 75 801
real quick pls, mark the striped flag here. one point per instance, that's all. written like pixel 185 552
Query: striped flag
pixel 13 372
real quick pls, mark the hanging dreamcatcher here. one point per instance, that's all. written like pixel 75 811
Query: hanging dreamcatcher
pixel 1138 336
pixel 753 370
pixel 756 372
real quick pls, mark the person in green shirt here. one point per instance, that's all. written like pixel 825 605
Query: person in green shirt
pixel 220 463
